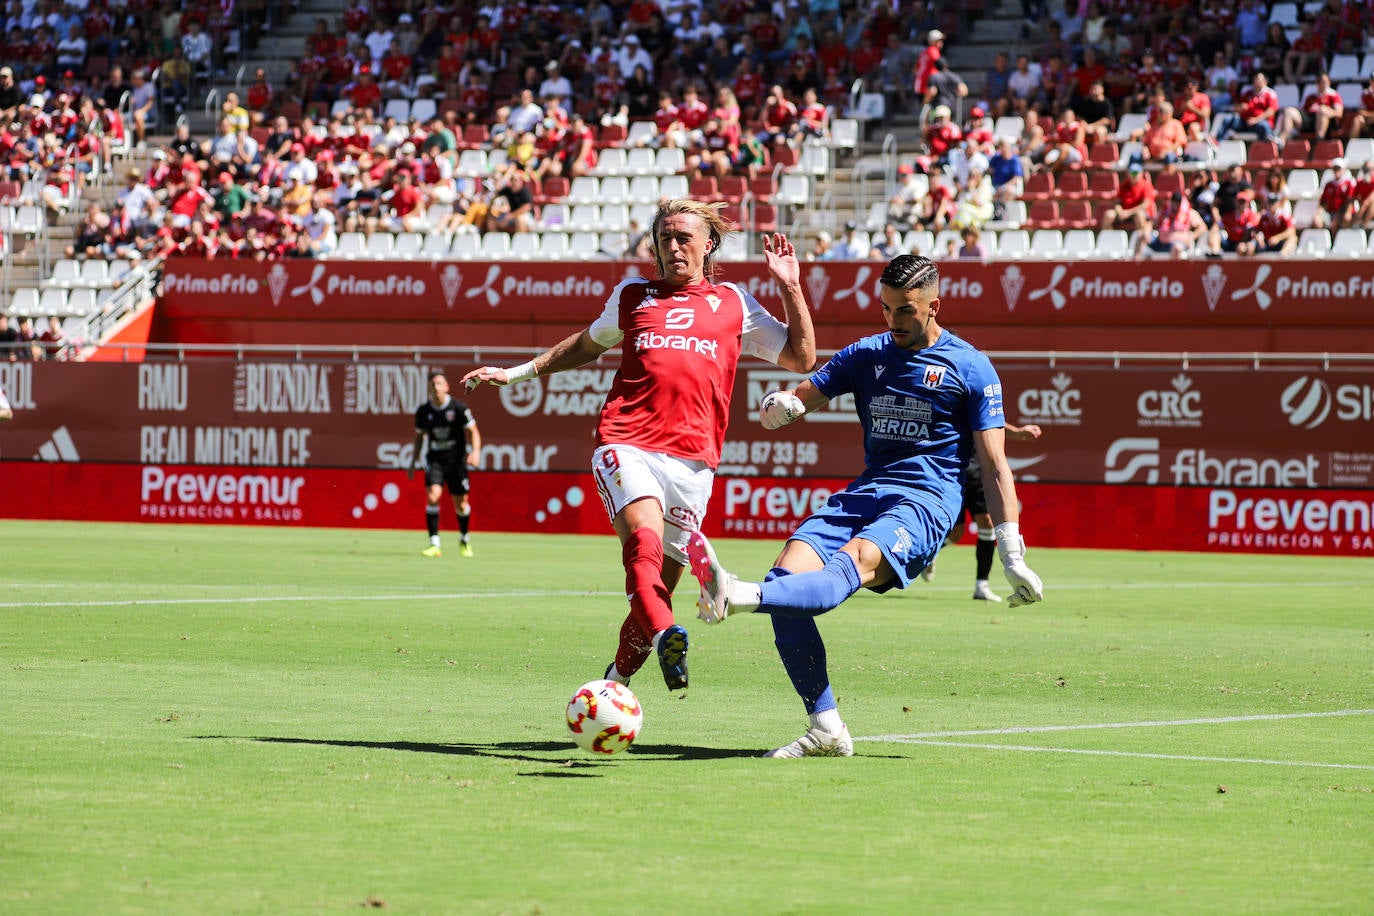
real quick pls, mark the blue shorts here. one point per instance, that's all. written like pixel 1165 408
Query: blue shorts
pixel 908 526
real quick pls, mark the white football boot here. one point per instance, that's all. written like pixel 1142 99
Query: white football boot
pixel 714 604
pixel 817 743
pixel 982 591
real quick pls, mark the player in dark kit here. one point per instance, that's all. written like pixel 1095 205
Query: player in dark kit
pixel 454 446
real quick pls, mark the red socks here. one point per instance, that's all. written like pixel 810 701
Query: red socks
pixel 651 607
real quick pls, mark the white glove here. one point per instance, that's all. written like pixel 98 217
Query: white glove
pixel 1026 585
pixel 778 408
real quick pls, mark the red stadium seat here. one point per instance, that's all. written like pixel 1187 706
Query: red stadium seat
pixel 612 135
pixel 1077 214
pixel 733 215
pixel 1044 214
pixel 1103 155
pixel 704 189
pixel 784 155
pixel 1324 153
pixel 1039 186
pixel 1072 186
pixel 765 217
pixel 763 188
pixel 476 136
pixel 1261 154
pixel 1103 185
pixel 734 187
pixel 1294 154
pixel 1167 183
pixel 553 189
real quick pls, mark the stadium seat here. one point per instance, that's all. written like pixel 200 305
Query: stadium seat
pixel 735 247
pixel 1302 184
pixel 553 246
pixel 1199 151
pixel 672 186
pixel 466 245
pixel 585 189
pixel 942 239
pixel 1038 186
pixel 1285 14
pixel 1103 185
pixel 1228 153
pixel 1044 214
pixel 1047 243
pixel 784 155
pixel 398 109
pixel 1295 154
pixel 66 273
pixel 525 245
pixel 1261 154
pixel 1314 243
pixel 120 268
pixel 351 245
pixel 641 133
pixel 793 190
pixel 1359 150
pixel 611 136
pixel 1349 243
pixel 614 218
pixel 380 246
pixel 409 245
pixel 475 136
pixel 1323 154
pixel 1077 214
pixel 584 245
pixel 1072 185
pixel 877 216
pixel 815 160
pixel 1167 183
pixel 844 133
pixel 52 301
pixel 734 187
pixel 553 218
pixel 423 110
pixel 436 245
pixel 1103 155
pixel 1008 126
pixel 921 241
pixel 24 301
pixel 669 161
pixel 615 189
pixel 1080 243
pixel 1013 217
pixel 80 302
pixel 1129 124
pixel 765 218
pixel 495 245
pixel 1303 212
pixel 1113 243
pixel 705 188
pixel 584 218
pixel 612 161
pixel 641 161
pixel 643 189
pixel 472 163
pixel 1013 243
pixel 553 189
pixel 1290 96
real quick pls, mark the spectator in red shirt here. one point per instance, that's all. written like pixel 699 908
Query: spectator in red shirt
pixel 1193 107
pixel 1322 110
pixel 1164 138
pixel 1277 232
pixel 925 64
pixel 1255 112
pixel 1305 55
pixel 1364 198
pixel 942 134
pixel 1364 118
pixel 779 116
pixel 1068 142
pixel 1337 199
pixel 1135 207
pixel 1238 229
pixel 365 94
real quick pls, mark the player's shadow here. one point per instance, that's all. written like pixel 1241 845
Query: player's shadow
pixel 569 757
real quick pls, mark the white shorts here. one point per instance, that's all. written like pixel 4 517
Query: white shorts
pixel 624 474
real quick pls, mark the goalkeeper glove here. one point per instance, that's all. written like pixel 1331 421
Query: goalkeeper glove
pixel 778 408
pixel 1026 585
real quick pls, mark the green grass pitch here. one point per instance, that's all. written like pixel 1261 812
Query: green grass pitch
pixel 257 720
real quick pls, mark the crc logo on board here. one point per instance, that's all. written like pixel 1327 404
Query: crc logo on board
pixel 1058 405
pixel 1178 405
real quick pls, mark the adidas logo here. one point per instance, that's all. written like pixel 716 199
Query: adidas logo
pixel 59 448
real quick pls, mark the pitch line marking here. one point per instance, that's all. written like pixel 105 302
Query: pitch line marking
pixel 1037 729
pixel 1099 753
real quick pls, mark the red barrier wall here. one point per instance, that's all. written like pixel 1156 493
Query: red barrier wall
pixel 1330 522
pixel 1231 305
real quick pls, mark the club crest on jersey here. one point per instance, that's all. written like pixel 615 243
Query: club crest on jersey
pixel 934 376
pixel 449 415
pixel 713 301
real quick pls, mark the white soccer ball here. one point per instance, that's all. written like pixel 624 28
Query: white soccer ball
pixel 604 717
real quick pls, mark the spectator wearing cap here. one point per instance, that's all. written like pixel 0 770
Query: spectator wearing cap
pixel 555 85
pixel 630 55
pixel 231 199
pixel 299 167
pixel 1135 206
pixel 1277 233
pixel 822 249
pixel 1337 205
pixel 925 64
pixel 942 135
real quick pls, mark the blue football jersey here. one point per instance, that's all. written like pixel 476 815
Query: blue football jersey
pixel 918 408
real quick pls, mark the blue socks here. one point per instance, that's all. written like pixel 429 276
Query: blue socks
pixel 802 651
pixel 811 593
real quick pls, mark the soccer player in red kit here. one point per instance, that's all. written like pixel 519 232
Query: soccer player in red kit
pixel 660 431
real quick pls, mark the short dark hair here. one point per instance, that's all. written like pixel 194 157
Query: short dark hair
pixel 911 271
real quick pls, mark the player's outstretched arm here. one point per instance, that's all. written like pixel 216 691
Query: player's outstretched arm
pixel 799 354
pixel 573 351
pixel 1000 487
pixel 778 408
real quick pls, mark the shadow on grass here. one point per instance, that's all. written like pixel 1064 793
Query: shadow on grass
pixel 513 750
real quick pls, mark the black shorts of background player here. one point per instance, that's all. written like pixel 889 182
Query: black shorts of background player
pixel 454 446
pixel 976 505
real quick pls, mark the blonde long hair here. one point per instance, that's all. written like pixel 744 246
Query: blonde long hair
pixel 710 214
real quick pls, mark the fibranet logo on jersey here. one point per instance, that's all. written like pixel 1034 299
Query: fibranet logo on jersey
pixel 17 381
pixel 384 390
pixel 1178 405
pixel 281 388
pixel 1058 405
pixel 687 343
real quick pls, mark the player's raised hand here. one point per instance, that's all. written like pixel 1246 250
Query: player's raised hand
pixel 491 374
pixel 781 258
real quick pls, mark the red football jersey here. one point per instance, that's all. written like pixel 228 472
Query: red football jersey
pixel 680 348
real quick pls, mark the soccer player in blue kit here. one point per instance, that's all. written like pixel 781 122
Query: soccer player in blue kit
pixel 926 400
